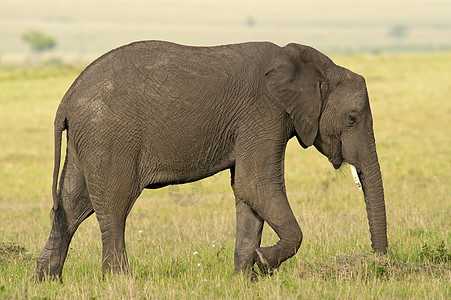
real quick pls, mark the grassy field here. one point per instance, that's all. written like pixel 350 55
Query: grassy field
pixel 180 241
pixel 84 29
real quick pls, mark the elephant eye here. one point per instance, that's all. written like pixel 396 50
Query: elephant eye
pixel 351 119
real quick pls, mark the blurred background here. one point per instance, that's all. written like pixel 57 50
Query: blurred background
pixel 55 31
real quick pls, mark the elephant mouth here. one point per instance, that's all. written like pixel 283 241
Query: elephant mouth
pixel 331 150
pixel 336 157
pixel 336 160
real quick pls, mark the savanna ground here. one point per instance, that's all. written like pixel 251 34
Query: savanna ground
pixel 84 29
pixel 180 240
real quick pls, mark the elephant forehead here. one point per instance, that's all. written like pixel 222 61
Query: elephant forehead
pixel 348 97
pixel 350 90
pixel 341 76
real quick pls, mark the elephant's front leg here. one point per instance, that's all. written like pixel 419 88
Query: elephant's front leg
pixel 249 227
pixel 259 180
pixel 279 216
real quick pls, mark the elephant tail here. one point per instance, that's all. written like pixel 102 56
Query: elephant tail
pixel 59 126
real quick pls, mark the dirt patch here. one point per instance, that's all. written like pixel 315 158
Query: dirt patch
pixel 13 251
pixel 370 266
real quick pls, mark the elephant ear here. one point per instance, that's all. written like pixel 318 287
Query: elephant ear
pixel 294 80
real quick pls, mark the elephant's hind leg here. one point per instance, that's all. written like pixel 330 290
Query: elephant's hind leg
pixel 74 207
pixel 114 255
pixel 113 195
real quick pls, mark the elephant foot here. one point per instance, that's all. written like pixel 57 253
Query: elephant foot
pixel 117 273
pixel 116 267
pixel 36 278
pixel 267 259
pixel 48 266
pixel 40 276
pixel 247 273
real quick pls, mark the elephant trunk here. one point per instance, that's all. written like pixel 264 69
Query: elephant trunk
pixel 370 176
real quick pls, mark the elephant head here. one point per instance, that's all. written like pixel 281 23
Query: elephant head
pixel 329 108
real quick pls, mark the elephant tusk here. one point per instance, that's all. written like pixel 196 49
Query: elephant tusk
pixel 356 177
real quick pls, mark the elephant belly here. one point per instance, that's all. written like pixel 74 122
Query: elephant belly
pixel 184 160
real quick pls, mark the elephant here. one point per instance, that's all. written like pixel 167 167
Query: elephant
pixel 153 113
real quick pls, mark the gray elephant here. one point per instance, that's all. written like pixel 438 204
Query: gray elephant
pixel 152 114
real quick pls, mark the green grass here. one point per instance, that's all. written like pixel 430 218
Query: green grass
pixel 411 109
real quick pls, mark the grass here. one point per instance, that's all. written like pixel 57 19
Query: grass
pixel 180 240
pixel 85 29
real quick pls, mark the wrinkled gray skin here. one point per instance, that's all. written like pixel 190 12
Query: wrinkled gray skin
pixel 152 114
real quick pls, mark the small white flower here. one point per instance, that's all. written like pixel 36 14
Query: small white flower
pixel 140 231
pixel 205 280
pixel 198 264
pixel 213 245
pixel 195 253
